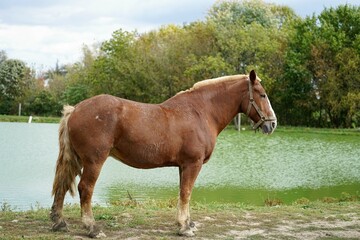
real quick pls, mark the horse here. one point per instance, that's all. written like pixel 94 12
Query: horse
pixel 179 132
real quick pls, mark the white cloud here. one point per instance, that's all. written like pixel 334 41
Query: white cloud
pixel 40 32
pixel 41 45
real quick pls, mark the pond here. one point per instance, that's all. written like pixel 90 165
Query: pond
pixel 245 167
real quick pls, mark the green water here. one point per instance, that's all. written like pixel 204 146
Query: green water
pixel 235 194
pixel 245 167
pixel 249 168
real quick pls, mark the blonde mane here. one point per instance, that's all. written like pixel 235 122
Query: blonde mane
pixel 212 81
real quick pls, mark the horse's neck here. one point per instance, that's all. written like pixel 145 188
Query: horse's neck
pixel 219 103
pixel 223 105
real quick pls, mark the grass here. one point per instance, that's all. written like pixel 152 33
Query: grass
pixel 341 131
pixel 35 119
pixel 156 220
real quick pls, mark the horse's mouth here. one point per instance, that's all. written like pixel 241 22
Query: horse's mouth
pixel 268 127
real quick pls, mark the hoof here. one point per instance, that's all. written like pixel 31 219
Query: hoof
pixel 186 233
pixel 60 226
pixel 97 234
pixel 192 226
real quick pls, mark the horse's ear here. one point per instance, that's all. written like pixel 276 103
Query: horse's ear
pixel 252 76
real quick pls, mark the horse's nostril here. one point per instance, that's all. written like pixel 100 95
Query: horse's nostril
pixel 273 124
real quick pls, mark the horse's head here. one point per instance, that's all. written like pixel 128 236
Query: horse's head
pixel 258 105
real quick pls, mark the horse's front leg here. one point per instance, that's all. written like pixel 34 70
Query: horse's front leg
pixel 188 174
pixel 86 186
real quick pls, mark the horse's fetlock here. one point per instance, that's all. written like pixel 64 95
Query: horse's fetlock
pixel 54 216
pixel 60 226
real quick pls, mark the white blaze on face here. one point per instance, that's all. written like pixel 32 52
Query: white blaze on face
pixel 271 110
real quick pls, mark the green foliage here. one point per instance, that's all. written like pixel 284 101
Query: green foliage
pixel 3 56
pixel 309 67
pixel 12 73
pixel 206 67
pixel 242 13
pixel 321 70
pixel 13 82
pixel 75 94
pixel 43 104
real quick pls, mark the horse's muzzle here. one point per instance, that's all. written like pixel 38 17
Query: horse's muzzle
pixel 268 127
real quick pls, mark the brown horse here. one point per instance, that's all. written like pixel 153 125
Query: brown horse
pixel 179 132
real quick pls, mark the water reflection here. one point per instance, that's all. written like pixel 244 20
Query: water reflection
pixel 245 167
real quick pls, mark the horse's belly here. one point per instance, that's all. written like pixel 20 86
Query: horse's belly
pixel 146 156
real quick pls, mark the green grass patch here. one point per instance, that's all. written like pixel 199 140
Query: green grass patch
pixel 35 119
pixel 341 131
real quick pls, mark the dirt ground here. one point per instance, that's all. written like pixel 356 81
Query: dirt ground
pixel 312 221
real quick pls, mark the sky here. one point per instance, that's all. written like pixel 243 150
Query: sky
pixel 44 32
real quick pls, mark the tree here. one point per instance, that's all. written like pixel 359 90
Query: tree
pixel 334 60
pixel 309 66
pixel 295 96
pixel 242 13
pixel 206 67
pixel 75 94
pixel 254 35
pixel 43 104
pixel 3 56
pixel 14 78
pixel 113 67
pixel 339 34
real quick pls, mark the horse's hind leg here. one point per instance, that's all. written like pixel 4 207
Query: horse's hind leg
pixel 56 212
pixel 86 186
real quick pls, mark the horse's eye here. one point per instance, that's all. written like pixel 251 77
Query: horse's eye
pixel 263 95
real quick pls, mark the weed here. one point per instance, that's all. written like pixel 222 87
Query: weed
pixel 302 201
pixel 136 221
pixel 126 203
pixel 329 200
pixel 346 197
pixel 6 207
pixel 271 202
pixel 105 217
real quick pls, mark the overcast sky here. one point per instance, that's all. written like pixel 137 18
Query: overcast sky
pixel 42 32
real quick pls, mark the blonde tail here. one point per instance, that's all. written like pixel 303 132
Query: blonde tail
pixel 68 164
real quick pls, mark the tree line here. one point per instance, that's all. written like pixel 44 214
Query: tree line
pixel 308 66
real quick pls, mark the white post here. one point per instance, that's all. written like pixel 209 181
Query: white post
pixel 19 109
pixel 30 119
pixel 239 121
